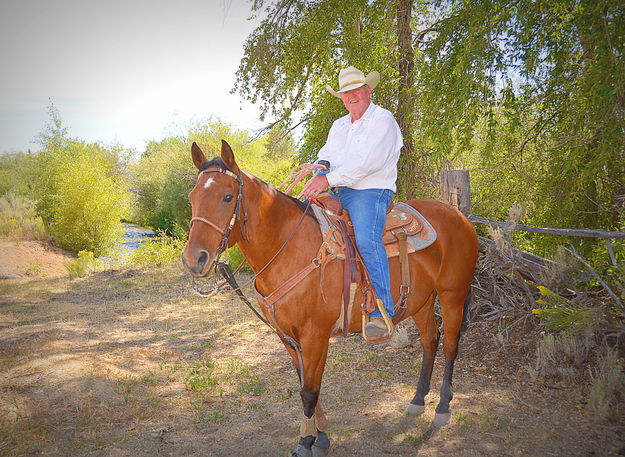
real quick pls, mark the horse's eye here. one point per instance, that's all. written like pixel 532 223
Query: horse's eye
pixel 228 198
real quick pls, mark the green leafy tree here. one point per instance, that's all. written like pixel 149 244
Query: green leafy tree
pixel 81 193
pixel 17 172
pixel 165 174
pixel 298 49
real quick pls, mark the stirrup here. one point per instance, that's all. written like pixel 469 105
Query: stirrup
pixel 387 320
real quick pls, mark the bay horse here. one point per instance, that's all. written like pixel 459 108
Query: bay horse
pixel 281 242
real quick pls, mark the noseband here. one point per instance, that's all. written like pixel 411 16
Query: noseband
pixel 236 214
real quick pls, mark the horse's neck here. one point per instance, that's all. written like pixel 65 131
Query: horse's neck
pixel 275 223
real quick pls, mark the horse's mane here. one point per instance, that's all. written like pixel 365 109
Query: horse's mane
pixel 218 162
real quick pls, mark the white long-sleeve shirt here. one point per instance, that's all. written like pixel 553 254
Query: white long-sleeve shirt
pixel 363 154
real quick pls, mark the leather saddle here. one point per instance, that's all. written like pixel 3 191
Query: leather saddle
pixel 399 223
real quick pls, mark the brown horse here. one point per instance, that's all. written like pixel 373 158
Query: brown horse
pixel 280 241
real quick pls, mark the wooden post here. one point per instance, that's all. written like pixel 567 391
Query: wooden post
pixel 456 189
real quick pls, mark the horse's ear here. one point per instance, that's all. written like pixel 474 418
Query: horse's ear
pixel 228 157
pixel 198 156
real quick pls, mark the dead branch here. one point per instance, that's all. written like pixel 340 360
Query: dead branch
pixel 585 233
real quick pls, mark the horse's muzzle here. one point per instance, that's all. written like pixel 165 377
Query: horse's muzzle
pixel 197 262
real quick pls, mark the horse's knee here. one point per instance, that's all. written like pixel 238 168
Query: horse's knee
pixel 309 401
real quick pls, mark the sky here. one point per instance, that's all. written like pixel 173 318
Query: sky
pixel 120 71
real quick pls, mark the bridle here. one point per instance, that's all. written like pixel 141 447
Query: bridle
pixel 236 213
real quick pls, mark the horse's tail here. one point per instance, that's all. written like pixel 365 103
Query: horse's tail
pixel 465 313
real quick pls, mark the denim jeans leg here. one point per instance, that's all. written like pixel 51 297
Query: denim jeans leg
pixel 367 209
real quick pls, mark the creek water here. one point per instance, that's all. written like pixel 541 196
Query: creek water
pixel 134 236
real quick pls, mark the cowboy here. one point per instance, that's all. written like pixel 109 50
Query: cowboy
pixel 362 150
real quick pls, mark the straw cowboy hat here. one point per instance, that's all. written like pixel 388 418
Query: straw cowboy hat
pixel 352 78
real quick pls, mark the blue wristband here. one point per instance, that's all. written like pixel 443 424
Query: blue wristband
pixel 319 171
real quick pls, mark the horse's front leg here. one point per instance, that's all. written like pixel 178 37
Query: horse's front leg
pixel 313 439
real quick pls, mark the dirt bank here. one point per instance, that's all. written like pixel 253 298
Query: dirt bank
pixel 32 259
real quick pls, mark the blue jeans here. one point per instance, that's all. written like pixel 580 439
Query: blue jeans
pixel 367 209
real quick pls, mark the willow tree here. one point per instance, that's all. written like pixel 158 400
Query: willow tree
pixel 534 91
pixel 300 47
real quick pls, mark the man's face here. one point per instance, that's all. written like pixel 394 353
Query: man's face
pixel 357 101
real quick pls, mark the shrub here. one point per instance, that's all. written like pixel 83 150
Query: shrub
pixel 85 263
pixel 236 258
pixel 17 172
pixel 608 384
pixel 89 206
pixel 81 190
pixel 159 250
pixel 562 315
pixel 561 356
pixel 18 219
pixel 165 174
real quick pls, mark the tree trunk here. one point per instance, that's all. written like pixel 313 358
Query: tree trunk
pixel 407 171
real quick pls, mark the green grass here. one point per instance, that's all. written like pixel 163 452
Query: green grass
pixel 200 377
pixel 413 440
pixel 253 385
pixel 462 419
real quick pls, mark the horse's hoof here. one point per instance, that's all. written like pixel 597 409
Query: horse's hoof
pixel 415 410
pixel 301 451
pixel 321 448
pixel 441 419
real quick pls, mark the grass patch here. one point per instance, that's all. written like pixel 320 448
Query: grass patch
pixel 200 377
pixel 462 419
pixel 253 385
pixel 413 440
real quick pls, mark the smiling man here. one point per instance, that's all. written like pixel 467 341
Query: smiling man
pixel 363 149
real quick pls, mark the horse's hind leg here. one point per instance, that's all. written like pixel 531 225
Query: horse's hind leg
pixel 425 320
pixel 453 304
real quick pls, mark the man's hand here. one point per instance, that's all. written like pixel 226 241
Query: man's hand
pixel 314 187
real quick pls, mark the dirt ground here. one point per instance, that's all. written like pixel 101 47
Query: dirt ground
pixel 130 363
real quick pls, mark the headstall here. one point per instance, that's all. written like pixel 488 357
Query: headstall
pixel 236 214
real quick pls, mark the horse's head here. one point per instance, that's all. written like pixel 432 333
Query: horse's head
pixel 216 205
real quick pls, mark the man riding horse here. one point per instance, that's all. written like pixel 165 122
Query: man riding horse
pixel 362 151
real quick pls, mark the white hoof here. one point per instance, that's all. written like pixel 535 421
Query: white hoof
pixel 415 410
pixel 441 419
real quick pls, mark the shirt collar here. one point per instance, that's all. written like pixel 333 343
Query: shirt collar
pixel 368 114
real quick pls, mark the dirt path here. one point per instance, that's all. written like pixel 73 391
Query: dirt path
pixel 128 363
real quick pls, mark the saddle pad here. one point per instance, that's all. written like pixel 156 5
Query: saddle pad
pixel 419 240
pixel 425 237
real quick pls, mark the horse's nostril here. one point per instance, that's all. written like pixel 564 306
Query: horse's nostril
pixel 202 260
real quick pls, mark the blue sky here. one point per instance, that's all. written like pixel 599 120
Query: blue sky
pixel 120 71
